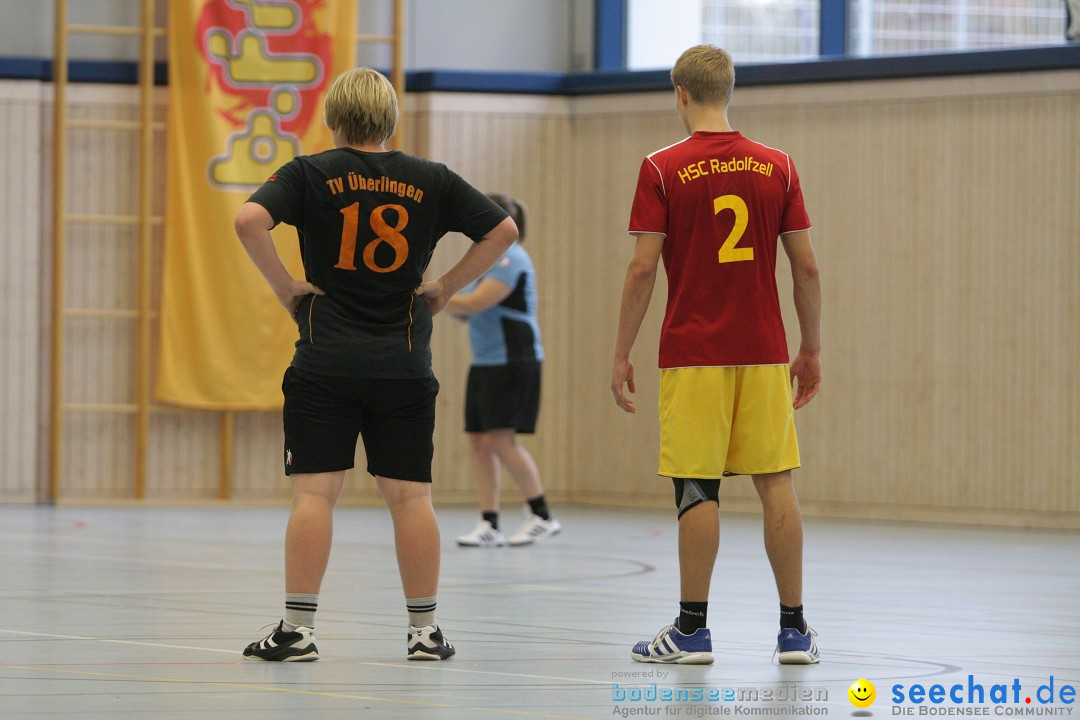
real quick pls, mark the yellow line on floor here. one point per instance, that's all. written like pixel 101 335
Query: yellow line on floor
pixel 271 688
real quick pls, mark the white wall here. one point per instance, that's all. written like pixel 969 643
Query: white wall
pixel 500 35
pixel 492 34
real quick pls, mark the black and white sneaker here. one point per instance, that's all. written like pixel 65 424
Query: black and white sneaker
pixel 428 643
pixel 284 646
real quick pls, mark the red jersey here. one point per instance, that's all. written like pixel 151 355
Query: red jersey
pixel 722 201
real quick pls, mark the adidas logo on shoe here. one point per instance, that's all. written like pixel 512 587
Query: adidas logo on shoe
pixel 796 648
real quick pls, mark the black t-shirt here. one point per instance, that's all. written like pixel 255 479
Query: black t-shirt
pixel 368 224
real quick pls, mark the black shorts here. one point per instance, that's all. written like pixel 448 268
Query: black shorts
pixel 324 415
pixel 503 396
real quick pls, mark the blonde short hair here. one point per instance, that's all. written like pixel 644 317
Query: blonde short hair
pixel 361 104
pixel 707 73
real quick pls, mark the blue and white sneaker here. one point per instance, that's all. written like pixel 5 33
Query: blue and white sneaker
pixel 796 648
pixel 671 646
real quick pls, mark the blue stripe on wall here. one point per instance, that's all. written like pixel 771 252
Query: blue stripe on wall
pixel 112 72
pixel 1057 57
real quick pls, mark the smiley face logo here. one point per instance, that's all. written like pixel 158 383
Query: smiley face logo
pixel 862 693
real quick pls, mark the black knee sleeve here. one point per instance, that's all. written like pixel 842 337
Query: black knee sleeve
pixel 690 492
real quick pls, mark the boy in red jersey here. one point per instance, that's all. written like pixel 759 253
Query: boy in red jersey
pixel 713 207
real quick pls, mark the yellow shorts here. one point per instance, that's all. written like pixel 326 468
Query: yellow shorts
pixel 717 421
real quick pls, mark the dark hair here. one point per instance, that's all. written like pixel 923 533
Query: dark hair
pixel 514 208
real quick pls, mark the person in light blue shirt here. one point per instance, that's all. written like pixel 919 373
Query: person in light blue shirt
pixel 505 332
pixel 502 397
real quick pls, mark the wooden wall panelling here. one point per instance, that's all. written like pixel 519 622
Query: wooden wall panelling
pixel 945 219
pixel 522 148
pixel 615 454
pixel 21 268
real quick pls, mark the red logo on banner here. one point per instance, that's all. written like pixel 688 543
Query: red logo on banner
pixel 271 60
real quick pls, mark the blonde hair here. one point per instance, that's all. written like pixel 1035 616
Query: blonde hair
pixel 707 74
pixel 361 104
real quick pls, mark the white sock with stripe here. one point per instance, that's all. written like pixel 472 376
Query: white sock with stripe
pixel 300 610
pixel 421 611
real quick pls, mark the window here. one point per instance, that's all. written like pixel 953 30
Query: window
pixel 766 31
pixel 751 30
pixel 891 27
pixel 762 30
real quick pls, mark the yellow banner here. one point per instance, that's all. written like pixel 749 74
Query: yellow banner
pixel 246 86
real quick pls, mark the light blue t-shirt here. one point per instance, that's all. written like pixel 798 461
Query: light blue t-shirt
pixel 508 332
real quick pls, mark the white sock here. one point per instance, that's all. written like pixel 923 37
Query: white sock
pixel 421 611
pixel 300 610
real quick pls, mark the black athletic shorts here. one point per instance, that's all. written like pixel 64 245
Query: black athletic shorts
pixel 503 396
pixel 324 415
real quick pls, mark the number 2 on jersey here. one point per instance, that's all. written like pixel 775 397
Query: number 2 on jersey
pixel 728 251
pixel 383 234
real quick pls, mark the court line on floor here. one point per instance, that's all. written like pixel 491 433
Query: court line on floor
pixel 132 592
pixel 56 636
pixel 449 580
pixel 941 668
pixel 442 667
pixel 294 691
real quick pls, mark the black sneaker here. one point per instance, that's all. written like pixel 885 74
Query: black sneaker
pixel 428 643
pixel 285 646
